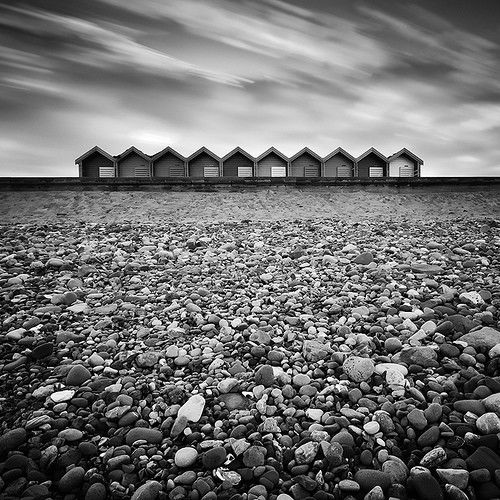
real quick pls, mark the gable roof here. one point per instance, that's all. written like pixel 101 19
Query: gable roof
pixel 304 151
pixel 370 151
pixel 406 152
pixel 341 151
pixel 269 151
pixel 95 149
pixel 168 149
pixel 237 149
pixel 203 149
pixel 130 150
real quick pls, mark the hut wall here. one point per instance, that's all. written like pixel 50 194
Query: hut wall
pixel 271 166
pixel 133 165
pixel 203 166
pixel 339 166
pixel 305 166
pixel 90 165
pixel 237 164
pixel 372 160
pixel 402 167
pixel 169 165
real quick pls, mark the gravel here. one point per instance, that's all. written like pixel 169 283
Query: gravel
pixel 324 359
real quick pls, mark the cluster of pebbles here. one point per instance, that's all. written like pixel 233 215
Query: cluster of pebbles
pixel 250 360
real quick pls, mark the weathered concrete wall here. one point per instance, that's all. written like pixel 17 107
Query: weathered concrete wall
pixel 247 183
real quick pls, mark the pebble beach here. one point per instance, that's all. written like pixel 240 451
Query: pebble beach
pixel 250 353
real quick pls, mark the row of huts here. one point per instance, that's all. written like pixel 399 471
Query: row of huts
pixel 238 163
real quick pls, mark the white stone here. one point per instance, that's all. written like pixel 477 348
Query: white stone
pixel 383 367
pixel 394 378
pixel 489 423
pixel 472 298
pixel 193 408
pixel 61 396
pixel 314 414
pixel 184 457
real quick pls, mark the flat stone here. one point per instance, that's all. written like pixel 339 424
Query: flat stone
pixel 193 408
pixel 484 338
pixel 265 376
pixel 153 436
pixel 61 396
pixel 214 457
pixel 483 458
pixel 369 478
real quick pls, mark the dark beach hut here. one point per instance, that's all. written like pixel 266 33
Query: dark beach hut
pixel 238 163
pixel 305 163
pixel 372 163
pixel 271 163
pixel 404 164
pixel 133 163
pixel 168 163
pixel 96 163
pixel 339 163
pixel 203 163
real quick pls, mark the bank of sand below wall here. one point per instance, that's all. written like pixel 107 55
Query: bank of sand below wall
pixel 280 203
pixel 328 358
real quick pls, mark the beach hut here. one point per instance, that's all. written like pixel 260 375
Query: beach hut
pixel 203 163
pixel 96 163
pixel 271 163
pixel 168 163
pixel 339 163
pixel 404 164
pixel 305 163
pixel 372 163
pixel 133 163
pixel 238 163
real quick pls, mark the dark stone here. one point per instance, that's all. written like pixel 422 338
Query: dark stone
pixel 483 458
pixel 425 486
pixel 214 457
pixel 11 440
pixel 265 376
pixel 369 478
pixel 43 350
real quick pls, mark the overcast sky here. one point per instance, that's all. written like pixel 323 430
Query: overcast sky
pixel 223 73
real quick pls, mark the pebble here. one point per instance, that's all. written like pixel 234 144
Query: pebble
pixel 250 360
pixel 185 457
pixel 358 369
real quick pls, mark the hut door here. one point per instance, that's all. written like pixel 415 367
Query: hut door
pixel 278 171
pixel 209 171
pixel 244 171
pixel 311 171
pixel 376 171
pixel 344 171
pixel 406 171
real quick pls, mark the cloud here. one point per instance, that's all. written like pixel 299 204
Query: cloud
pixel 273 29
pixel 89 44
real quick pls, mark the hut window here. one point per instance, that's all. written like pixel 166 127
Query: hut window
pixel 106 171
pixel 244 171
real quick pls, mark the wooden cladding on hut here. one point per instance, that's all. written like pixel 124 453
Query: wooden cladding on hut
pixel 238 163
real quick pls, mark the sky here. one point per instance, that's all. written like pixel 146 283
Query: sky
pixel 424 75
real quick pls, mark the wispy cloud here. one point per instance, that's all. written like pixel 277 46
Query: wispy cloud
pixel 87 43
